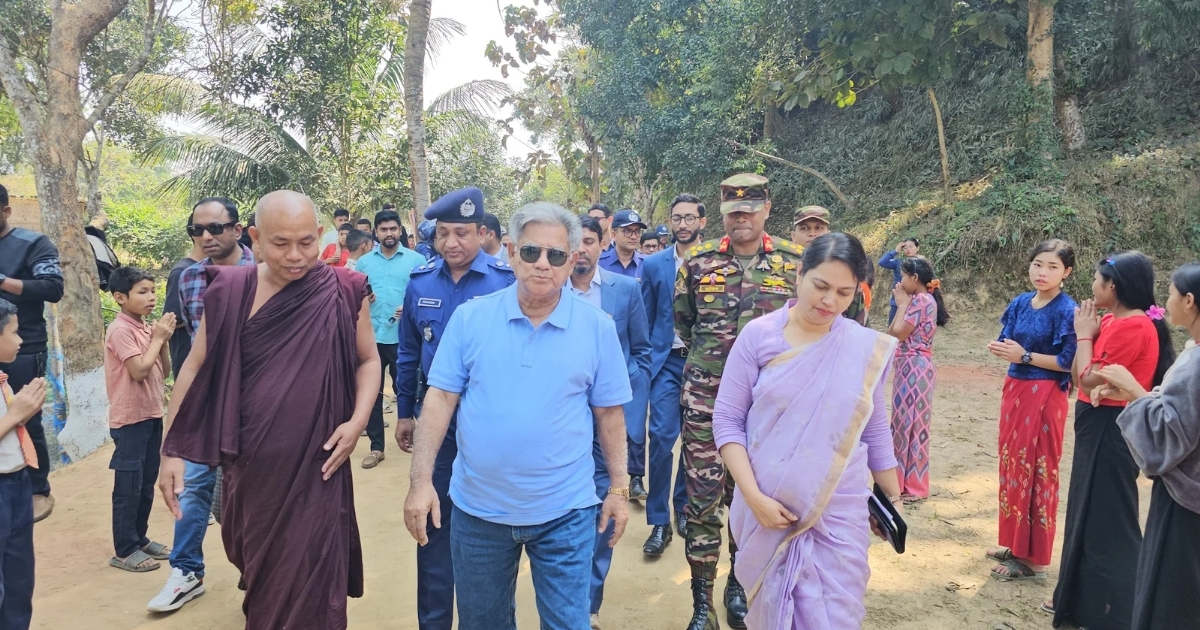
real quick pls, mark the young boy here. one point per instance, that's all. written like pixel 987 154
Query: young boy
pixel 16 491
pixel 358 244
pixel 335 254
pixel 135 360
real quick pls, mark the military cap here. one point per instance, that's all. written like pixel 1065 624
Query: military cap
pixel 625 218
pixel 811 212
pixel 745 192
pixel 464 205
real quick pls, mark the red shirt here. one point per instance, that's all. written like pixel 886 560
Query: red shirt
pixel 1131 342
pixel 332 249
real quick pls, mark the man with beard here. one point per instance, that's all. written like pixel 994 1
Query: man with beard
pixel 436 290
pixel 387 268
pixel 214 227
pixel 667 357
pixel 617 296
pixel 722 286
pixel 277 387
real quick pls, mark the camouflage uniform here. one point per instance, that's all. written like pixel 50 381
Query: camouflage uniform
pixel 714 299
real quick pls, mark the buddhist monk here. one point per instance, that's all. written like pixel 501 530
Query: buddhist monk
pixel 278 386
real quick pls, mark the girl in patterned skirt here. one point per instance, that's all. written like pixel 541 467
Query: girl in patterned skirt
pixel 1038 342
pixel 919 300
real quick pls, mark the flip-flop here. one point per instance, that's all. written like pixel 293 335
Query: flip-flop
pixel 133 563
pixel 1047 608
pixel 1004 555
pixel 1017 572
pixel 157 550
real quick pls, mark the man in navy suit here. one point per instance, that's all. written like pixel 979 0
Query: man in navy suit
pixel 666 371
pixel 618 296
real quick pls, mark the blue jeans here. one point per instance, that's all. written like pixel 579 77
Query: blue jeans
pixel 487 556
pixel 602 554
pixel 187 554
pixel 16 550
pixel 891 313
pixel 666 421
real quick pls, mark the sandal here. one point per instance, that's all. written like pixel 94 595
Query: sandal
pixel 1016 572
pixel 1000 554
pixel 911 499
pixel 157 550
pixel 1048 607
pixel 137 562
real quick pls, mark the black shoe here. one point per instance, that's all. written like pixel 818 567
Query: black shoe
pixel 703 616
pixel 735 602
pixel 657 543
pixel 637 491
pixel 681 524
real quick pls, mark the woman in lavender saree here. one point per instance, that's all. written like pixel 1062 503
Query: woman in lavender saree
pixel 800 420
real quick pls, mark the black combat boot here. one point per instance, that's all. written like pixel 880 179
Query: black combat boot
pixel 735 601
pixel 703 615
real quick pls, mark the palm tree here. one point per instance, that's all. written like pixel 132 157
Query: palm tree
pixel 241 152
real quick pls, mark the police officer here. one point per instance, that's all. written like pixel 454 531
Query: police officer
pixel 722 285
pixel 624 258
pixel 462 272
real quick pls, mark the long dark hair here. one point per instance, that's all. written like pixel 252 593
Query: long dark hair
pixel 838 246
pixel 1132 275
pixel 1186 279
pixel 920 267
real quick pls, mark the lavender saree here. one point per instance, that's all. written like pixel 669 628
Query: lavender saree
pixel 814 422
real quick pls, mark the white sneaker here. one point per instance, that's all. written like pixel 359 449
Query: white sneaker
pixel 180 589
pixel 212 520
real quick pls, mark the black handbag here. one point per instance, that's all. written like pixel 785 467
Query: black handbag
pixel 889 519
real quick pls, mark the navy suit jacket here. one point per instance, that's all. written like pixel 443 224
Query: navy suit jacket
pixel 658 294
pixel 619 298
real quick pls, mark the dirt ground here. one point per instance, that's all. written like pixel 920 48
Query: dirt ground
pixel 941 583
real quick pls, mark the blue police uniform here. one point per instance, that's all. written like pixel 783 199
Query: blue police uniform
pixel 430 300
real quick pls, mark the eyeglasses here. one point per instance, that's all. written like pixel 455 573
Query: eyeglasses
pixel 690 219
pixel 196 230
pixel 631 232
pixel 533 253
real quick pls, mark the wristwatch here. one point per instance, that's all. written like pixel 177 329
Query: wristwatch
pixel 620 491
pixel 1026 358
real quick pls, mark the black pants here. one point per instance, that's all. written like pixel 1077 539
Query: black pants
pixel 26 368
pixel 135 466
pixel 387 357
pixel 16 551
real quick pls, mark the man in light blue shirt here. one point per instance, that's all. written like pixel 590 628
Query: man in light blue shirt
pixel 535 374
pixel 387 268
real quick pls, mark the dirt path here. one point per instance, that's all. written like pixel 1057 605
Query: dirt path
pixel 947 537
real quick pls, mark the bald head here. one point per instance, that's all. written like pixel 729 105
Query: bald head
pixel 285 209
pixel 287 234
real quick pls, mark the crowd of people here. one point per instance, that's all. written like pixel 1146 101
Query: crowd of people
pixel 591 345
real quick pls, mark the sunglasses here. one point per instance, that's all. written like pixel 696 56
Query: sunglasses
pixel 533 253
pixel 216 229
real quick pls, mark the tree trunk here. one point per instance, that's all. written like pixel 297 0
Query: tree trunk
pixel 1039 36
pixel 772 122
pixel 414 100
pixel 53 125
pixel 95 201
pixel 1070 118
pixel 941 129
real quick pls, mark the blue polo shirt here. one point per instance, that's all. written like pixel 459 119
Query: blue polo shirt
pixel 525 424
pixel 389 280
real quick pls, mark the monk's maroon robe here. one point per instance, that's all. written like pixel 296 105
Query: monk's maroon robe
pixel 272 390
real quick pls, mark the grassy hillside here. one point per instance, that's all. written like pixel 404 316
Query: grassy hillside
pixel 1135 185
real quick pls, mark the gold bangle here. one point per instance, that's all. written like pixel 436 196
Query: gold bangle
pixel 619 491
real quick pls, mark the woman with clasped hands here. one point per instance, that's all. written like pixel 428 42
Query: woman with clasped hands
pixel 1162 428
pixel 800 418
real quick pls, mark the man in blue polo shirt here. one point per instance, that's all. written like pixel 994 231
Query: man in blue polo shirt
pixel 528 368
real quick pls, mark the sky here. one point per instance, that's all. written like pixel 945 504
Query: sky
pixel 463 59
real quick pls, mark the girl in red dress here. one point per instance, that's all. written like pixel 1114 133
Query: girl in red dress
pixel 1038 342
pixel 1102 536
